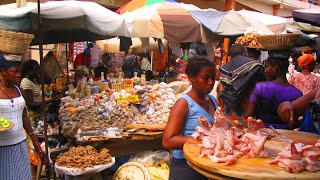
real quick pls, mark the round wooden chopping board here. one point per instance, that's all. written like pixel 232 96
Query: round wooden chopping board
pixel 254 168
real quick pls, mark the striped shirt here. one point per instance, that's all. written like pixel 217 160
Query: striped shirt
pixel 35 88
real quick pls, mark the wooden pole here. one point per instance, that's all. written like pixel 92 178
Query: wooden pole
pixel 276 7
pixel 67 59
pixel 225 55
pixel 230 4
pixel 275 10
pixel 21 3
pixel 40 41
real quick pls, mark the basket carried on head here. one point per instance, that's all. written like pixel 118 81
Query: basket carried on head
pixel 278 42
pixel 14 42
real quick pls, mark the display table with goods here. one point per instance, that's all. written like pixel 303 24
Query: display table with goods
pixel 253 153
pixel 120 118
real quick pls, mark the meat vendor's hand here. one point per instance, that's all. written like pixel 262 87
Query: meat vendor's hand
pixel 286 112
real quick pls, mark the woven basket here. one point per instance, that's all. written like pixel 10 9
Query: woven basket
pixel 278 42
pixel 14 42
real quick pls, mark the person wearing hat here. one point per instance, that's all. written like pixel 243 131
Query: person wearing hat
pixel 14 158
pixel 305 81
pixel 267 95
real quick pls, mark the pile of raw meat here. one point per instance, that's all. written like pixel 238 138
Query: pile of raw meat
pixel 224 144
pixel 298 157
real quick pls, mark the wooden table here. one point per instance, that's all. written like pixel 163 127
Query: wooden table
pixel 128 145
pixel 254 168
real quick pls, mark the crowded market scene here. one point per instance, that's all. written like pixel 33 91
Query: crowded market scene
pixel 159 89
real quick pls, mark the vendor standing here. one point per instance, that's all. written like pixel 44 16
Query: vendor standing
pixel 267 95
pixel 184 116
pixel 14 159
pixel 103 66
pixel 32 91
pixel 30 80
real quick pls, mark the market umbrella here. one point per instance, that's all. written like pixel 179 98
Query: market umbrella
pixel 295 26
pixel 167 20
pixel 135 4
pixel 235 23
pixel 311 16
pixel 65 21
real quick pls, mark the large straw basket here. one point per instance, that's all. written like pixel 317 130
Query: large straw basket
pixel 278 42
pixel 14 42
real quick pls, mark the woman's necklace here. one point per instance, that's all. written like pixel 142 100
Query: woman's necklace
pixel 11 96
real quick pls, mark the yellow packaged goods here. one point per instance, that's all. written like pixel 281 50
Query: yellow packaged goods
pixel 116 86
pixel 128 99
pixel 127 86
pixel 84 156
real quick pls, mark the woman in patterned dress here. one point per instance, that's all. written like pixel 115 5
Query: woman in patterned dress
pixel 14 159
pixel 305 81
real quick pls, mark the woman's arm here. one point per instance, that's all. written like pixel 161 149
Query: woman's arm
pixel 254 99
pixel 171 137
pixel 291 110
pixel 27 127
pixel 250 109
pixel 28 96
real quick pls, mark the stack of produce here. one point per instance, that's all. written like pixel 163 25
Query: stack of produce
pixel 83 157
pixel 249 39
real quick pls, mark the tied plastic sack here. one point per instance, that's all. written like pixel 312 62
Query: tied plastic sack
pixel 151 158
pixel 179 86
pixel 156 163
pixel 311 118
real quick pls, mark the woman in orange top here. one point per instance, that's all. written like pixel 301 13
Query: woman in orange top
pixel 305 81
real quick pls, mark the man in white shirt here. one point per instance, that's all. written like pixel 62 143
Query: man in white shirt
pixel 144 63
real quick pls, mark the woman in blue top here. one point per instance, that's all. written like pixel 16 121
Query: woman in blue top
pixel 184 115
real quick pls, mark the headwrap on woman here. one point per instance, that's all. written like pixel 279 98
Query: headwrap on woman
pixel 305 60
pixel 5 64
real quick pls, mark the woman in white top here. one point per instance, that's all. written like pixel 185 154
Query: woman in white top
pixel 14 159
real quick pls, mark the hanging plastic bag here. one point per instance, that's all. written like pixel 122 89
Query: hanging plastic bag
pixel 308 123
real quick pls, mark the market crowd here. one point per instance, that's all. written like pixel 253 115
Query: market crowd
pixel 247 87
